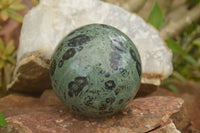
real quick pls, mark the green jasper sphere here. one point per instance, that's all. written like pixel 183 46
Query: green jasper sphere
pixel 96 70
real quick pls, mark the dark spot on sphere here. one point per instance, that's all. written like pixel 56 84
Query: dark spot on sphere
pixel 102 71
pixel 60 64
pixel 111 110
pixel 133 55
pixel 88 101
pixel 121 101
pixel 62 44
pixel 117 91
pixel 52 67
pixel 78 40
pixel 68 54
pixel 110 85
pixel 81 81
pixel 123 72
pixel 76 86
pixel 84 31
pixel 98 92
pixel 128 99
pixel 102 107
pixel 72 88
pixel 74 108
pixel 110 100
pixel 59 49
pixel 139 68
pixel 70 93
pixel 138 64
pixel 106 74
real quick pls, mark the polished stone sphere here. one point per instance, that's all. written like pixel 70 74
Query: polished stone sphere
pixel 96 70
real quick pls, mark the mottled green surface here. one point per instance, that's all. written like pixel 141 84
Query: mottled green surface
pixel 96 70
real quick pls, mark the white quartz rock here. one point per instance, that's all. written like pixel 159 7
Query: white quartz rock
pixel 45 25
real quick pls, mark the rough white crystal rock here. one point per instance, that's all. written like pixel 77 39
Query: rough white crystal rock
pixel 45 25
